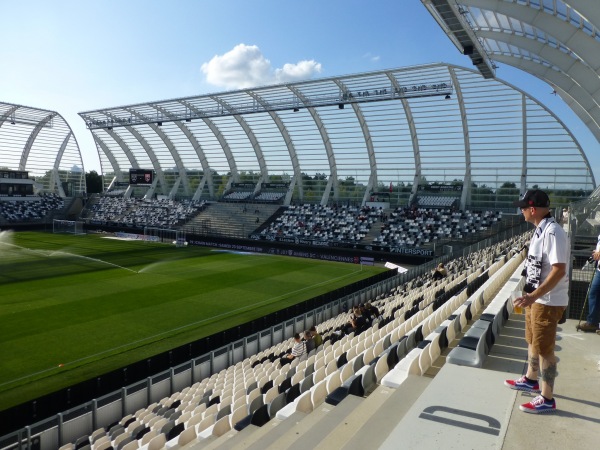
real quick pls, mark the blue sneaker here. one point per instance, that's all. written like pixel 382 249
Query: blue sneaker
pixel 523 385
pixel 539 406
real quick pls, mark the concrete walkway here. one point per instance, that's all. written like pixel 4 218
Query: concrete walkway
pixel 470 408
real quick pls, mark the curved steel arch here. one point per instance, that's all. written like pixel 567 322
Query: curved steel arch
pixel 583 76
pixel 249 134
pixel 333 180
pixel 588 10
pixel 172 150
pixel 467 140
pixel 414 138
pixel 32 137
pixel 121 143
pixel 197 148
pixel 9 112
pixel 111 157
pixel 568 63
pixel 219 136
pixel 41 143
pixel 150 152
pixel 289 143
pixel 368 142
pixel 564 87
pixel 557 25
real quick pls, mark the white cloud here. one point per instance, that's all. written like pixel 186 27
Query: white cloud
pixel 371 57
pixel 295 72
pixel 245 66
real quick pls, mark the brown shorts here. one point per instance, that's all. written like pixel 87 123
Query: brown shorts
pixel 540 327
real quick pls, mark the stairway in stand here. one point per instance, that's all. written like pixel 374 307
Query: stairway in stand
pixel 236 220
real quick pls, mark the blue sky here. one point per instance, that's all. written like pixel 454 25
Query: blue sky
pixel 73 56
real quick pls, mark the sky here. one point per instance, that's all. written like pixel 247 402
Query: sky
pixel 71 56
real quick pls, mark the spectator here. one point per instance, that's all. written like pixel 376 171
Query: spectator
pixel 593 317
pixel 298 350
pixel 317 338
pixel 356 322
pixel 440 272
pixel 545 298
pixel 308 341
pixel 372 311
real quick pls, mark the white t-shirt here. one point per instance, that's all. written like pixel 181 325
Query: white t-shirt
pixel 550 244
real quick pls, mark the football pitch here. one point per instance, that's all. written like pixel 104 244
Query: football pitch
pixel 75 307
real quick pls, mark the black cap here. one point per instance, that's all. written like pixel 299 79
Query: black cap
pixel 533 197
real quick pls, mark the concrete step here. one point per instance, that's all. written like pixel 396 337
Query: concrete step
pixel 368 426
pixel 316 426
pixel 264 436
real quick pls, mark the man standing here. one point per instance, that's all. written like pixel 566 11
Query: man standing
pixel 545 298
pixel 593 317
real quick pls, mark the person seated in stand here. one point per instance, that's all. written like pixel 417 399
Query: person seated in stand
pixel 372 311
pixel 440 272
pixel 298 350
pixel 308 341
pixel 357 322
pixel 317 338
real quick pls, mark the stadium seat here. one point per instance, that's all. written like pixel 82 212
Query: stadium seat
pixel 306 384
pixel 157 443
pixel 277 403
pixel 318 393
pixel 260 416
pixel 304 403
pixel 221 426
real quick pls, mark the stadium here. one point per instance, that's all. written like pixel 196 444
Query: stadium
pixel 159 312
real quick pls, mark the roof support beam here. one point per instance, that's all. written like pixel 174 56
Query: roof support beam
pixel 197 148
pixel 173 151
pixel 249 133
pixel 466 192
pixel 219 136
pixel 289 143
pixel 32 137
pixel 333 177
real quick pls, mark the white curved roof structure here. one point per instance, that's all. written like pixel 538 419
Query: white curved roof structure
pixel 555 40
pixel 339 139
pixel 42 143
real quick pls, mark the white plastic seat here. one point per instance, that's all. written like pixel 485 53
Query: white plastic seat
pixel 318 393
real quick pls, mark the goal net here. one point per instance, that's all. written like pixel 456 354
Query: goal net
pixel 67 226
pixel 165 235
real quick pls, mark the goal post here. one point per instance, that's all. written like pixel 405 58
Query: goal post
pixel 165 235
pixel 67 226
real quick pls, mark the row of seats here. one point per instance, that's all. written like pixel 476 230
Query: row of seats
pixel 143 212
pixel 29 209
pixel 478 341
pixel 344 223
pixel 272 197
pixel 238 195
pixel 432 201
pixel 258 390
pixel 419 226
pixel 263 196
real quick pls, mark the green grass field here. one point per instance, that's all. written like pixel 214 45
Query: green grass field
pixel 74 307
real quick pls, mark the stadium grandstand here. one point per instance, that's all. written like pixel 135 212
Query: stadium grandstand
pixel 41 143
pixel 401 158
pixel 41 169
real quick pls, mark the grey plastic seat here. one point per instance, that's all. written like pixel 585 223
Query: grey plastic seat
pixel 306 384
pixel 277 403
